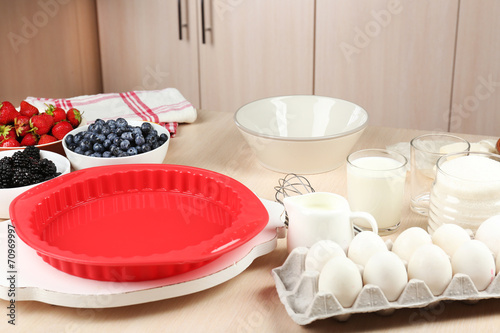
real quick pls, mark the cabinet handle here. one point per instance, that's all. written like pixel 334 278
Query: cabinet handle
pixel 203 39
pixel 179 13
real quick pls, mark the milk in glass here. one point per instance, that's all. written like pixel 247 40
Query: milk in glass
pixel 375 184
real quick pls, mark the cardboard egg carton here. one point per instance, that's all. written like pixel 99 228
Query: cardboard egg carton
pixel 298 291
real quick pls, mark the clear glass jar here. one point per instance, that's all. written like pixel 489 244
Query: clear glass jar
pixel 466 190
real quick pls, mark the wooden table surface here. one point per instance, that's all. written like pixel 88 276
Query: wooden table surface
pixel 249 302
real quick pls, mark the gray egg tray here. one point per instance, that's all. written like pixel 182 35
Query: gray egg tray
pixel 298 291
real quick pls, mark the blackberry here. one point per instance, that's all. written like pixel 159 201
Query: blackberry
pixel 5 172
pixel 47 168
pixel 21 177
pixel 20 160
pixel 25 168
pixel 33 152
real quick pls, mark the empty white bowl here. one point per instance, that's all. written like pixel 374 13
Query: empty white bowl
pixel 8 194
pixel 79 161
pixel 301 134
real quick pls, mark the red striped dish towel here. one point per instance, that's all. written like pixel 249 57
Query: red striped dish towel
pixel 166 107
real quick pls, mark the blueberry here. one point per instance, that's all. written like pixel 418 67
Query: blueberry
pixel 72 146
pixel 100 122
pixel 132 151
pixel 78 137
pixel 121 123
pixel 123 154
pixel 85 145
pixel 91 128
pixel 146 128
pixel 163 137
pixel 146 147
pixel 88 152
pixel 96 154
pixel 106 130
pixel 116 151
pixel 98 147
pixel 151 139
pixel 69 139
pixel 125 144
pixel 136 130
pixel 79 150
pixel 97 128
pixel 116 141
pixel 120 130
pixel 127 136
pixel 107 154
pixel 112 135
pixel 139 140
pixel 106 143
pixel 111 122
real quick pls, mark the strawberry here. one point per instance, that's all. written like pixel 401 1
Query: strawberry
pixel 28 110
pixel 7 131
pixel 22 125
pixel 61 129
pixel 46 138
pixel 56 112
pixel 10 142
pixel 7 113
pixel 74 117
pixel 41 123
pixel 30 139
pixel 498 146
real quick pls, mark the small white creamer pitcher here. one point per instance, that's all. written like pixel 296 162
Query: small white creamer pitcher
pixel 321 215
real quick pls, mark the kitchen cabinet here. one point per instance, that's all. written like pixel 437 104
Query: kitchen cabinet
pixel 232 52
pixel 142 48
pixel 476 82
pixel 394 58
pixel 49 49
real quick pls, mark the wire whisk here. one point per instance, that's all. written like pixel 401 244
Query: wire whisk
pixel 291 184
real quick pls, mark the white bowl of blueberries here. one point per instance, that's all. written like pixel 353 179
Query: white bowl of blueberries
pixel 116 141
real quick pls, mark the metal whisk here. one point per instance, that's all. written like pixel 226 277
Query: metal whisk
pixel 291 185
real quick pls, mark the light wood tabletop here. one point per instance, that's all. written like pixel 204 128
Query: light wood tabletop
pixel 249 302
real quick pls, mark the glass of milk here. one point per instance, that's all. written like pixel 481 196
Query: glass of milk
pixel 425 150
pixel 375 184
pixel 466 191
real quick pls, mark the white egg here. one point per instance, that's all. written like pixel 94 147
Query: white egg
pixel 410 240
pixel 386 270
pixel 341 277
pixel 364 245
pixel 498 263
pixel 474 259
pixel 319 254
pixel 489 233
pixel 432 265
pixel 449 237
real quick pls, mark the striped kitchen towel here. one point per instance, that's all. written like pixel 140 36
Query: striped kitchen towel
pixel 166 107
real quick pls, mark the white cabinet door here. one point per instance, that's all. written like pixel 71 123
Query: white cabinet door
pixel 141 47
pixel 476 85
pixel 394 58
pixel 255 49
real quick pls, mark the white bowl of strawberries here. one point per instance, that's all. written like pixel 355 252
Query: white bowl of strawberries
pixel 29 126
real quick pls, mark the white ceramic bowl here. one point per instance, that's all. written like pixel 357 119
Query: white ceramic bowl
pixel 301 134
pixel 8 194
pixel 79 161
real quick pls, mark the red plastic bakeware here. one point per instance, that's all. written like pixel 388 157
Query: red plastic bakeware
pixel 136 222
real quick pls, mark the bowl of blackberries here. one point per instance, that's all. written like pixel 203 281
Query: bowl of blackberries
pixel 20 170
pixel 116 141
